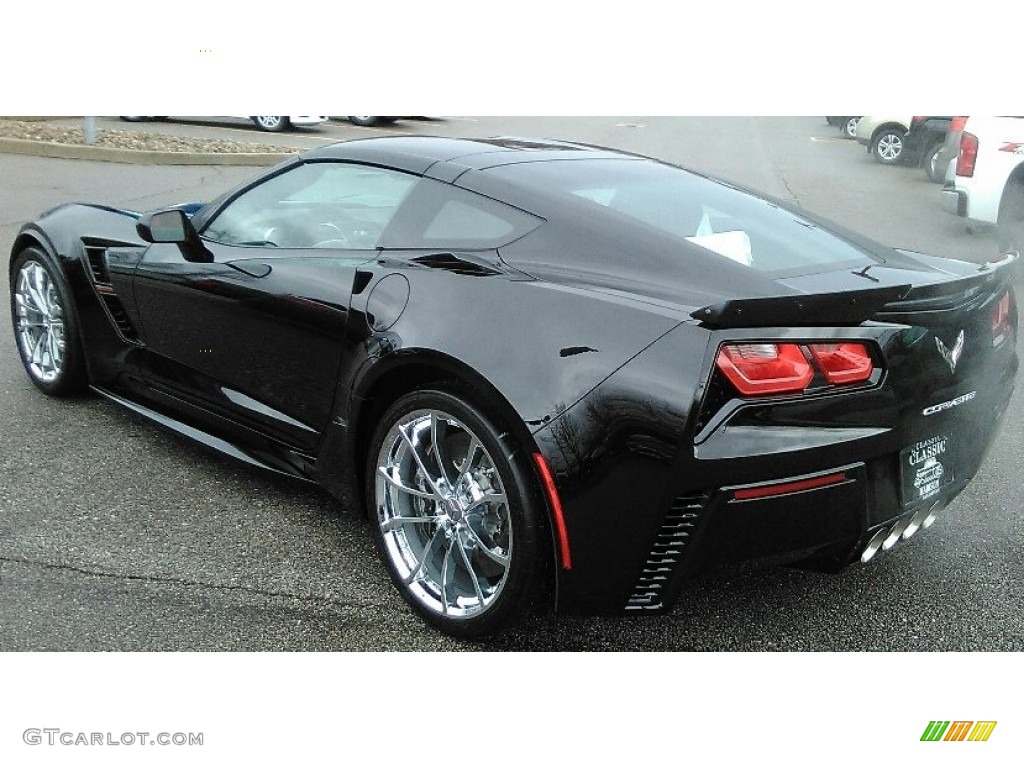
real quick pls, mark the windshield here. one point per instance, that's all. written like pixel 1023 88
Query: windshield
pixel 731 223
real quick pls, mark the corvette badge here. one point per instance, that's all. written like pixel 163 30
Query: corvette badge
pixel 951 356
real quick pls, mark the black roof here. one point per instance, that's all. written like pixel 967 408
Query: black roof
pixel 417 153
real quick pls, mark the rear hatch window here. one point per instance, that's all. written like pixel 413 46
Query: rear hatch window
pixel 731 223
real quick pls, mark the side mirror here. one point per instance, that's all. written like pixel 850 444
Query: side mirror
pixel 173 226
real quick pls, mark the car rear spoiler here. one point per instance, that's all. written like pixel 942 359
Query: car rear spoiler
pixel 846 308
pixel 850 307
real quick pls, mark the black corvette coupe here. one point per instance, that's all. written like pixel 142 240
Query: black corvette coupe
pixel 544 369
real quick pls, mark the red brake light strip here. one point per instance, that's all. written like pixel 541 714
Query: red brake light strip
pixel 780 489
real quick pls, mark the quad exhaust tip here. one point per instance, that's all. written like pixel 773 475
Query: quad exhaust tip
pixel 923 518
pixel 894 533
pixel 887 537
pixel 874 545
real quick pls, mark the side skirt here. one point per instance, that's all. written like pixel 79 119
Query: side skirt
pixel 261 459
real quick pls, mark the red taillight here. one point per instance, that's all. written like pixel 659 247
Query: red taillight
pixel 844 363
pixel 765 369
pixel 957 123
pixel 968 155
pixel 1001 325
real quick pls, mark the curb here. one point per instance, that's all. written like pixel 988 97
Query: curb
pixel 140 156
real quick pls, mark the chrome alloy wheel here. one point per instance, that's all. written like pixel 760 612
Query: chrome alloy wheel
pixel 889 147
pixel 270 122
pixel 443 514
pixel 39 322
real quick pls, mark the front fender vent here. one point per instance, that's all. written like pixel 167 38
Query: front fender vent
pixel 666 552
pixel 96 260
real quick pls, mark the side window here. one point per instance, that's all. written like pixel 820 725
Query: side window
pixel 315 205
pixel 459 221
pixel 443 216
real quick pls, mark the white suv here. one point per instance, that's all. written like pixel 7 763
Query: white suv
pixel 985 185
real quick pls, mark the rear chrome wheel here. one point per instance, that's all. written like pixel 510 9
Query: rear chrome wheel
pixel 44 326
pixel 453 515
pixel 849 127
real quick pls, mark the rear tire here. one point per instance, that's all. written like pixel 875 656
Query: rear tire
pixel 455 515
pixel 45 325
pixel 849 127
pixel 931 164
pixel 367 121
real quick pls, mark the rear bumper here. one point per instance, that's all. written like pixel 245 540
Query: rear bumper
pixel 954 201
pixel 647 510
pixel 307 119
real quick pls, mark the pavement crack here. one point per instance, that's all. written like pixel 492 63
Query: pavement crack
pixel 182 582
pixel 785 182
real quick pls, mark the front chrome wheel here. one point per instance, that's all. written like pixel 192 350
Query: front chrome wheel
pixel 443 514
pixel 45 324
pixel 39 322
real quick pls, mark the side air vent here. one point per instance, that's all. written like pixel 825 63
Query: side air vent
pixel 97 265
pixel 120 318
pixel 666 553
pixel 460 265
pixel 95 258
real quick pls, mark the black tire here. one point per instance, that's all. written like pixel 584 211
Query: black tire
pixel 40 334
pixel 931 164
pixel 442 545
pixel 849 127
pixel 888 145
pixel 1011 218
pixel 272 123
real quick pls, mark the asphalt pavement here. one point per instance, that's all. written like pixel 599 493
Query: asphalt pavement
pixel 116 535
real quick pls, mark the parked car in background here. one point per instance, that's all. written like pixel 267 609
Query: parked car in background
pixel 273 123
pixel 884 137
pixel 369 121
pixel 846 125
pixel 923 145
pixel 987 186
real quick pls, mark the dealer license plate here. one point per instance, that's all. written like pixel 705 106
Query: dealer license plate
pixel 926 468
